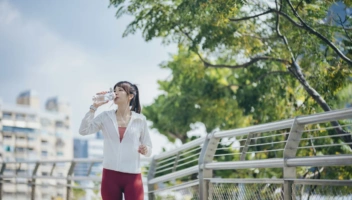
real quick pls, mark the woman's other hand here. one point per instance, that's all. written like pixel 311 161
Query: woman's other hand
pixel 143 149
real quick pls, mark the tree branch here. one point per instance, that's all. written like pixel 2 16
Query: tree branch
pixel 343 26
pixel 302 24
pixel 251 17
pixel 244 65
pixel 270 10
pixel 296 71
pixel 314 32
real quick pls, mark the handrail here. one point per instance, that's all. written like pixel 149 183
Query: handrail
pixel 286 162
pixel 167 166
pixel 184 147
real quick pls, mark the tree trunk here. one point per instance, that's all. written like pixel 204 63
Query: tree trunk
pixel 295 70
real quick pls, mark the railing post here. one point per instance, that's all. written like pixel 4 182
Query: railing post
pixel 245 148
pixel 290 152
pixel 151 174
pixel 34 173
pixel 69 181
pixel 206 155
pixel 3 167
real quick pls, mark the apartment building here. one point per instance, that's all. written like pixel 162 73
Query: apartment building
pixel 28 132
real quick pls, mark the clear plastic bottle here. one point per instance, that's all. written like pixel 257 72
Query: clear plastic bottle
pixel 109 96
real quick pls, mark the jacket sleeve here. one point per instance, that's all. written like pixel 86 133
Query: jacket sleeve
pixel 145 138
pixel 89 124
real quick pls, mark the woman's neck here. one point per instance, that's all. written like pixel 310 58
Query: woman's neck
pixel 123 110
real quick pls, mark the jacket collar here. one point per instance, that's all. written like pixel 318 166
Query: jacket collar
pixel 134 115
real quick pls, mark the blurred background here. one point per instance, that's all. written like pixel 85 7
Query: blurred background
pixel 200 67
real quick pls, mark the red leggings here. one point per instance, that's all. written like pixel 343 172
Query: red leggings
pixel 115 183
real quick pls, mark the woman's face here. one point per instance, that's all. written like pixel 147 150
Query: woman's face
pixel 121 96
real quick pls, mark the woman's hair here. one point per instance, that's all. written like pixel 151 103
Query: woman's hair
pixel 131 89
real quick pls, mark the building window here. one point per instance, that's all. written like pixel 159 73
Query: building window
pixel 8 137
pixel 8 148
pixel 18 129
pixel 60 142
pixel 19 149
pixel 20 116
pixel 32 118
pixel 59 124
pixel 44 153
pixel 44 142
pixel 20 138
pixel 45 122
pixel 59 153
pixel 7 115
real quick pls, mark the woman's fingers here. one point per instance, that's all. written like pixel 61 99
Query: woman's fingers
pixel 103 92
pixel 142 149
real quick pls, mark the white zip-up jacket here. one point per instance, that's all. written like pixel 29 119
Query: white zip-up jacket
pixel 119 156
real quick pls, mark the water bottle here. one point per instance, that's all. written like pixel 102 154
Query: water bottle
pixel 109 96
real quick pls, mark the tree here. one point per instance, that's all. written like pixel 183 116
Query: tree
pixel 265 40
pixel 190 95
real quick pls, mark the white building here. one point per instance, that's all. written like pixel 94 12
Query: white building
pixel 30 133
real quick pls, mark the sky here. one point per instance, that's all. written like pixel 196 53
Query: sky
pixel 74 49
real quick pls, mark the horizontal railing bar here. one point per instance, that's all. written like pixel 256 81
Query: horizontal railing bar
pixel 335 160
pixel 326 136
pixel 322 182
pixel 174 175
pixel 325 116
pixel 320 161
pixel 76 160
pixel 324 145
pixel 187 163
pixel 74 178
pixel 267 163
pixel 184 147
pixel 326 128
pixel 162 166
pixel 168 159
pixel 187 152
pixel 163 170
pixel 261 144
pixel 185 158
pixel 229 147
pixel 227 154
pixel 232 141
pixel 177 187
pixel 49 185
pixel 157 172
pixel 272 135
pixel 171 163
pixel 249 152
pixel 265 151
pixel 279 125
pixel 264 180
pixel 329 182
pixel 273 126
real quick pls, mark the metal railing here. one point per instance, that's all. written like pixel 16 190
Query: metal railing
pixel 289 159
pixel 57 175
pixel 217 165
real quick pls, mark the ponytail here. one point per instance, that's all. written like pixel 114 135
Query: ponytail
pixel 136 105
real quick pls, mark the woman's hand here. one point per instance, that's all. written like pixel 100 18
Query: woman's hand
pixel 143 149
pixel 100 103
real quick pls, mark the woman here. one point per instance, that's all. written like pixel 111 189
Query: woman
pixel 126 136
